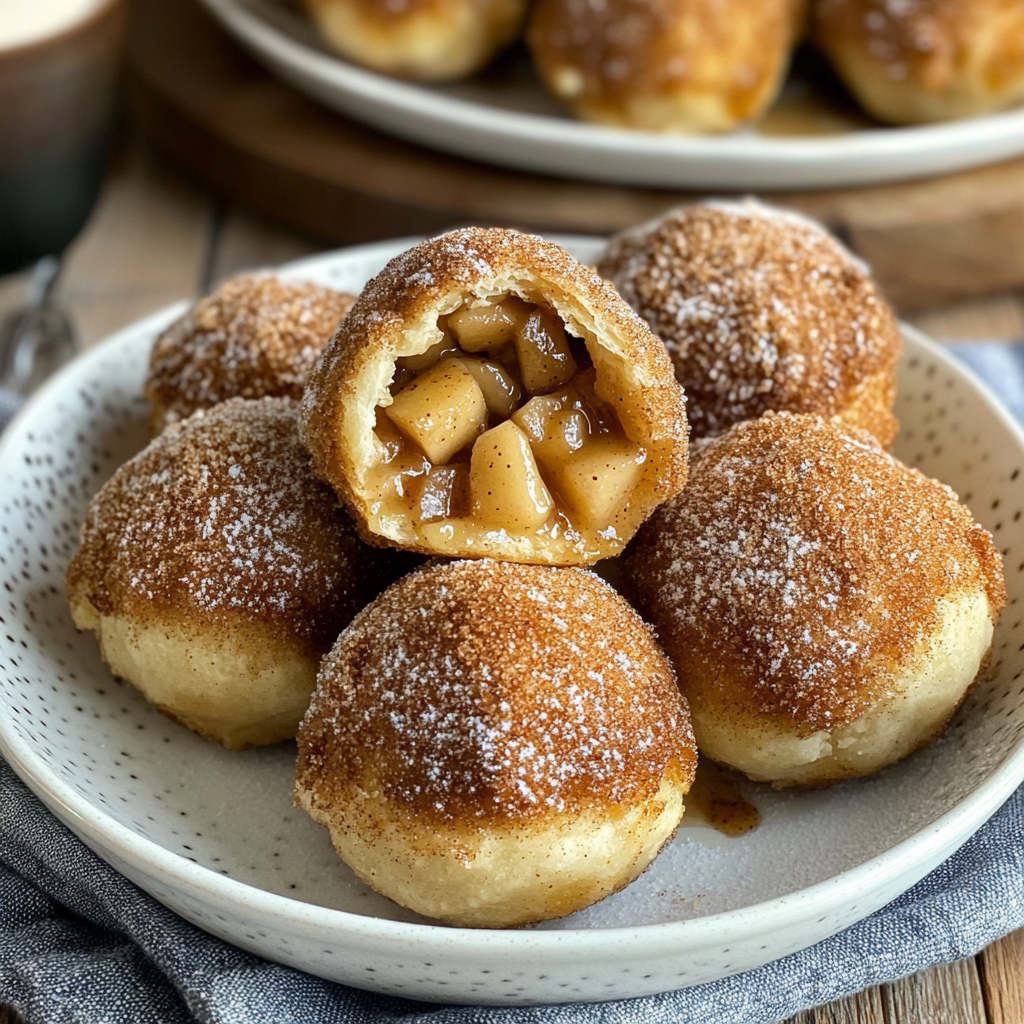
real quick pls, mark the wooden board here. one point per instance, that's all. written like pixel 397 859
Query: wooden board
pixel 219 113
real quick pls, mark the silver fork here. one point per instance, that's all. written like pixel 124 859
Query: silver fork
pixel 37 338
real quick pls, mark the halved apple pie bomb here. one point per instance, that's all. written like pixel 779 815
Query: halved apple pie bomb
pixel 488 395
pixel 216 571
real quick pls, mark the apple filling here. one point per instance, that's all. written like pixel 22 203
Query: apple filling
pixel 498 427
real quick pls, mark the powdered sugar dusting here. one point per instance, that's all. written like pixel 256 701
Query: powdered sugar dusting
pixel 220 516
pixel 255 336
pixel 460 693
pixel 805 562
pixel 758 309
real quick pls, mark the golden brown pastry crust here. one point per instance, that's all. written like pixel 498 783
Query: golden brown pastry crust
pixel 255 336
pixel 696 66
pixel 220 516
pixel 526 666
pixel 802 567
pixel 761 309
pixel 215 571
pixel 430 40
pixel 926 60
pixel 397 314
pixel 493 743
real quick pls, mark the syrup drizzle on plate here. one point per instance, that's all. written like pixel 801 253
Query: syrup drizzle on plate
pixel 715 800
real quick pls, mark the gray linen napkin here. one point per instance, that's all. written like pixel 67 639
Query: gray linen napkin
pixel 1001 367
pixel 79 944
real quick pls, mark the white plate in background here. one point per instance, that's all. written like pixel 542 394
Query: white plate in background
pixel 511 122
pixel 213 835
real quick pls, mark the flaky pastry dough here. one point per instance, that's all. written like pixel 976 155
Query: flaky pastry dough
pixel 429 40
pixel 926 60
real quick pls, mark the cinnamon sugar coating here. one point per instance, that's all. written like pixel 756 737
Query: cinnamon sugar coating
pixel 219 521
pixel 255 336
pixel 397 315
pixel 761 309
pixel 699 66
pixel 803 568
pixel 490 693
pixel 918 61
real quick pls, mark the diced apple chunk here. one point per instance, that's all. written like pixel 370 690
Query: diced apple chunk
pixel 426 360
pixel 533 418
pixel 444 492
pixel 404 474
pixel 505 355
pixel 595 482
pixel 442 410
pixel 505 484
pixel 555 432
pixel 545 361
pixel 501 390
pixel 488 325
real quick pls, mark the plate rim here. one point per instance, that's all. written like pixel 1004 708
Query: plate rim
pixel 942 836
pixel 472 129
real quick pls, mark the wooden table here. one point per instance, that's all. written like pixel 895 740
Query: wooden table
pixel 202 99
pixel 157 236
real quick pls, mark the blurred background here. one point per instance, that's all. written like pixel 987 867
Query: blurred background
pixel 170 157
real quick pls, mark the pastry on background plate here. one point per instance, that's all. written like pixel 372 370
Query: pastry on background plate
pixel 216 571
pixel 255 336
pixel 665 65
pixel 490 396
pixel 826 607
pixel 925 60
pixel 430 40
pixel 492 744
pixel 760 309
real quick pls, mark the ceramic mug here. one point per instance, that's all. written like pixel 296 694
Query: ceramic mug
pixel 57 89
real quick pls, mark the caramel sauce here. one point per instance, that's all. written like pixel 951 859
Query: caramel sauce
pixel 716 801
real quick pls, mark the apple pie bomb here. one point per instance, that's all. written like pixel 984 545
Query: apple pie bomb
pixel 826 607
pixel 697 66
pixel 216 571
pixel 492 744
pixel 256 336
pixel 490 396
pixel 427 40
pixel 761 309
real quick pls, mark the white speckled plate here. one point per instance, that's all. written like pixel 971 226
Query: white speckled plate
pixel 505 117
pixel 213 834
